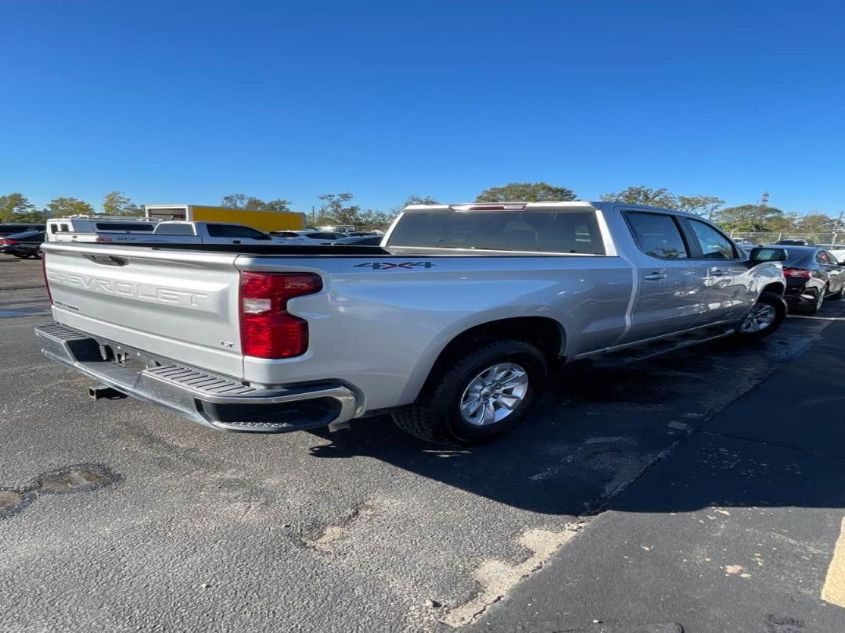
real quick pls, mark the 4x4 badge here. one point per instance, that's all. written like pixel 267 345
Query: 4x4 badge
pixel 389 265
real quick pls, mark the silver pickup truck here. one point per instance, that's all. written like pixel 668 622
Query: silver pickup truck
pixel 452 325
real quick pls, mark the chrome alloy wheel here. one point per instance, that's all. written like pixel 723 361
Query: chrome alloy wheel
pixel 494 394
pixel 762 315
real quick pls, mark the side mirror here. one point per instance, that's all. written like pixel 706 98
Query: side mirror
pixel 768 254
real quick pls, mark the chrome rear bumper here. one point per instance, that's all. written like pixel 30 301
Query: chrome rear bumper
pixel 212 400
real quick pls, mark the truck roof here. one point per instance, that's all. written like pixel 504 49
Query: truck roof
pixel 550 205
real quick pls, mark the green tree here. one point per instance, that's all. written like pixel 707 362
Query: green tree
pixel 816 223
pixel 234 201
pixel 335 209
pixel 526 192
pixel 251 203
pixel 63 207
pixel 370 219
pixel 750 217
pixel 117 203
pixel 645 196
pixel 13 205
pixel 418 200
pixel 702 205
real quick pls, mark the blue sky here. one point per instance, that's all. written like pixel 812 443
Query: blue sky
pixel 185 101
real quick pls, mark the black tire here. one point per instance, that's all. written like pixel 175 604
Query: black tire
pixel 436 415
pixel 766 299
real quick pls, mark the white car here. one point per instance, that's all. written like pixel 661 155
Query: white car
pixel 306 238
pixel 837 250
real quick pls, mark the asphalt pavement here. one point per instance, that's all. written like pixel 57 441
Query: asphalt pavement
pixel 119 516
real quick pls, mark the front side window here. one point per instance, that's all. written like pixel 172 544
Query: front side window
pixel 713 244
pixel 657 235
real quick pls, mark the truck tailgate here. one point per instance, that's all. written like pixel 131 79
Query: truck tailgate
pixel 173 304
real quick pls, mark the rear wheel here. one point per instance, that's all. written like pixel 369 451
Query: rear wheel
pixel 483 395
pixel 765 317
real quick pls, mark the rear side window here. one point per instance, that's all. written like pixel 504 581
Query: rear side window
pixel 657 235
pixel 713 244
pixel 532 231
pixel 124 226
pixel 174 229
pixel 235 230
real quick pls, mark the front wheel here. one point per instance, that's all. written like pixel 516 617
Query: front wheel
pixel 482 396
pixel 765 317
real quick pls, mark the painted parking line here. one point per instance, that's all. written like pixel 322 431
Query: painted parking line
pixel 833 590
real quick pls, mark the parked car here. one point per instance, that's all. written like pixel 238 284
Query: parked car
pixel 10 228
pixel 176 232
pixel 794 242
pixel 26 244
pixel 308 237
pixel 359 240
pixel 85 228
pixel 191 232
pixel 837 250
pixel 337 228
pixel 812 275
pixel 463 314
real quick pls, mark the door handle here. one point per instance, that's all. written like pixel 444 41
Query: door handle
pixel 654 276
pixel 717 272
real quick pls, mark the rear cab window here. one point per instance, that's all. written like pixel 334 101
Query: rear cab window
pixel 542 231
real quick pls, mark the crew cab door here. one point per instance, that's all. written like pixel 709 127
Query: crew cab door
pixel 727 287
pixel 669 296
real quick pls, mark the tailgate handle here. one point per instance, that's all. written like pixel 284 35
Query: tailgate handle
pixel 107 260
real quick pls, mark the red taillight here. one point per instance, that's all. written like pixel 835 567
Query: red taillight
pixel 8 242
pixel 44 272
pixel 267 330
pixel 103 239
pixel 796 273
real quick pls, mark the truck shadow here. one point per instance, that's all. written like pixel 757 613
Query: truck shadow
pixel 600 427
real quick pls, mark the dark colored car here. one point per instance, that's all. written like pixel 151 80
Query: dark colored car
pixel 26 244
pixel 14 227
pixel 360 240
pixel 812 275
pixel 794 242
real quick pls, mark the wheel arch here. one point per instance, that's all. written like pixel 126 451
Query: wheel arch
pixel 546 333
pixel 776 287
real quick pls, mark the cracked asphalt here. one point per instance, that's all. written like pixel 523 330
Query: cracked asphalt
pixel 365 529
